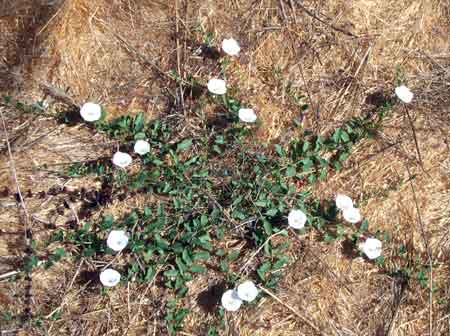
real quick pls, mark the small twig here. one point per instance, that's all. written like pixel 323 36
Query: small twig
pixel 427 248
pixel 8 274
pixel 14 176
pixel 177 33
pixel 416 142
pixel 283 11
pixel 303 318
pixel 67 290
pixel 314 16
pixel 243 268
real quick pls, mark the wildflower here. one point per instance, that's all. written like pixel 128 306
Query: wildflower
pixel 372 248
pixel 217 86
pixel 296 219
pixel 91 112
pixel 121 159
pixel 231 301
pixel 247 291
pixel 404 94
pixel 352 215
pixel 231 47
pixel 117 240
pixel 142 147
pixel 247 115
pixel 343 202
pixel 109 277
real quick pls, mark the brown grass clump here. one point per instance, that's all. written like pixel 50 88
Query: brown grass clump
pixel 340 58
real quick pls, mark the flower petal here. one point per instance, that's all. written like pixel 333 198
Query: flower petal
pixel 109 277
pixel 217 86
pixel 231 301
pixel 404 94
pixel 121 159
pixel 231 47
pixel 141 147
pixel 91 112
pixel 297 219
pixel 247 115
pixel 247 291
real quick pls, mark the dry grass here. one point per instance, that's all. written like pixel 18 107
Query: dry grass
pixel 113 51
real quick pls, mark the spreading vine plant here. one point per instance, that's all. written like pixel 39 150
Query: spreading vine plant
pixel 216 185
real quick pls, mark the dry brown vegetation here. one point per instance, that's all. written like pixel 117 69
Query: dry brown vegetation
pixel 343 56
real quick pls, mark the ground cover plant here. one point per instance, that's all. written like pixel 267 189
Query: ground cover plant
pixel 228 210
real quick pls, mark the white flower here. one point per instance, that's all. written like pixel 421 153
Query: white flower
pixel 117 240
pixel 109 277
pixel 217 86
pixel 142 147
pixel 231 47
pixel 296 219
pixel 247 291
pixel 372 248
pixel 343 202
pixel 247 115
pixel 404 94
pixel 121 159
pixel 352 215
pixel 231 301
pixel 91 112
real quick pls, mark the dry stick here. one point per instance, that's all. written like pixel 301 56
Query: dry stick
pixel 427 247
pixel 314 16
pixel 291 2
pixel 323 263
pixel 259 250
pixel 416 143
pixel 64 300
pixel 14 176
pixel 303 318
pixel 283 11
pixel 26 216
pixel 363 61
pixel 177 32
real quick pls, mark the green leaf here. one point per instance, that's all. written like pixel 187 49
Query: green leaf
pixel 271 212
pixel 139 123
pixel 184 145
pixel 344 136
pixel 198 269
pixel 140 136
pixel 261 204
pixel 364 226
pixel 233 255
pixel 171 273
pixel 267 227
pixel 263 269
pixel 202 255
pixel 290 171
pixel 284 260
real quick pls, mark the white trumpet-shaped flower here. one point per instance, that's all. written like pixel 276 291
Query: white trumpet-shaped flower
pixel 231 47
pixel 247 291
pixel 231 301
pixel 372 248
pixel 352 215
pixel 247 115
pixel 117 240
pixel 91 112
pixel 121 159
pixel 404 94
pixel 297 219
pixel 109 277
pixel 142 147
pixel 343 202
pixel 217 86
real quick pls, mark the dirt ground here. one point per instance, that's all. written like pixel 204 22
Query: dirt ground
pixel 343 57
